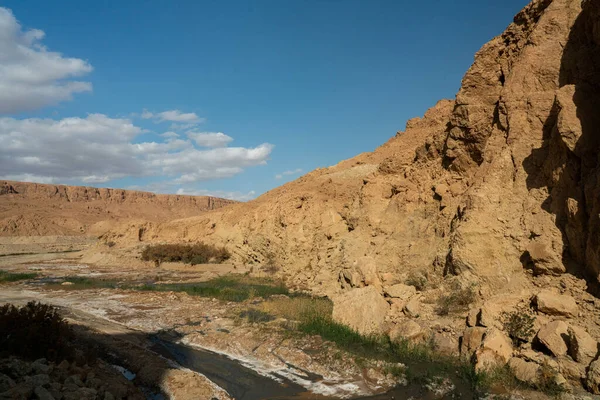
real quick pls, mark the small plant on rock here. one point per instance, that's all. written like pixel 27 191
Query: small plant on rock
pixel 458 300
pixel 519 326
pixel 418 280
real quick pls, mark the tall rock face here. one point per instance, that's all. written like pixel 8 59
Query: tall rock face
pixel 28 209
pixel 505 178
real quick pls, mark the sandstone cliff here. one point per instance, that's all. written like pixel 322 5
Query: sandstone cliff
pixel 503 179
pixel 28 209
pixel 488 204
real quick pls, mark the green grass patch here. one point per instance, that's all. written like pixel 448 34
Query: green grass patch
pixel 6 276
pixel 227 288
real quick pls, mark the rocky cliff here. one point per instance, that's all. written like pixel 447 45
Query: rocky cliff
pixel 39 209
pixel 487 207
pixel 503 179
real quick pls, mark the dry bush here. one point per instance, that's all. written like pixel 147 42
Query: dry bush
pixel 34 331
pixel 459 299
pixel 193 254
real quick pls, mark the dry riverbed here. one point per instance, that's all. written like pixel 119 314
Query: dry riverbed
pixel 197 346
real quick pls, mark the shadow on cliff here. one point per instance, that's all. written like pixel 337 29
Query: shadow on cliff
pixel 567 163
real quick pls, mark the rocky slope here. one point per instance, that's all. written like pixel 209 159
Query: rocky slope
pixel 31 209
pixel 502 178
pixel 498 190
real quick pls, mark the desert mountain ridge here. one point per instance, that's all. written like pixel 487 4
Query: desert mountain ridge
pixel 498 188
pixel 486 207
pixel 34 209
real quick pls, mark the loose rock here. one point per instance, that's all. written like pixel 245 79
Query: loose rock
pixel 552 303
pixel 553 336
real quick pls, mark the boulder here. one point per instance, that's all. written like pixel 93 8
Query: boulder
pixel 496 349
pixel 6 383
pixel 582 346
pixel 472 317
pixel 552 303
pixel 592 380
pixel 525 371
pixel 405 330
pixel 363 310
pixel 571 370
pixel 413 307
pixel 471 340
pixel 554 336
pixel 42 394
pixel 400 291
pixel 445 344
pixel 544 260
pixel 485 318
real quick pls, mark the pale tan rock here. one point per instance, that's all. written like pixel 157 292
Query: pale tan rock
pixel 405 330
pixel 400 291
pixel 496 350
pixel 445 343
pixel 582 346
pixel 413 307
pixel 553 336
pixel 472 317
pixel 571 370
pixel 545 260
pixel 552 303
pixel 471 340
pixel 362 309
pixel 592 381
pixel 485 318
pixel 525 371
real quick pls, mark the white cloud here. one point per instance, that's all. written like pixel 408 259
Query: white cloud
pixel 288 173
pixel 169 135
pixel 209 139
pixel 183 120
pixel 31 76
pixel 146 114
pixel 97 149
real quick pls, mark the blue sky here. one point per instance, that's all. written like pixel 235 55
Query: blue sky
pixel 230 98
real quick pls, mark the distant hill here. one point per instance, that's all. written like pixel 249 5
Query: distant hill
pixel 33 209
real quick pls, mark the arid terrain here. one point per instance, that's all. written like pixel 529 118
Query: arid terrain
pixel 461 259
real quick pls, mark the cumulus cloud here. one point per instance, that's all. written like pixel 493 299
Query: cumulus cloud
pixel 183 120
pixel 288 173
pixel 169 135
pixel 209 139
pixel 97 149
pixel 31 76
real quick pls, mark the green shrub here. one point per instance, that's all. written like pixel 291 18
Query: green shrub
pixel 418 280
pixel 519 326
pixel 193 254
pixel 15 276
pixel 458 300
pixel 34 331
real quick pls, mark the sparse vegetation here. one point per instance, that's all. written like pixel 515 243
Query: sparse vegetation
pixel 80 283
pixel 34 331
pixel 6 276
pixel 298 307
pixel 193 254
pixel 519 326
pixel 458 300
pixel 418 280
pixel 253 315
pixel 228 288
